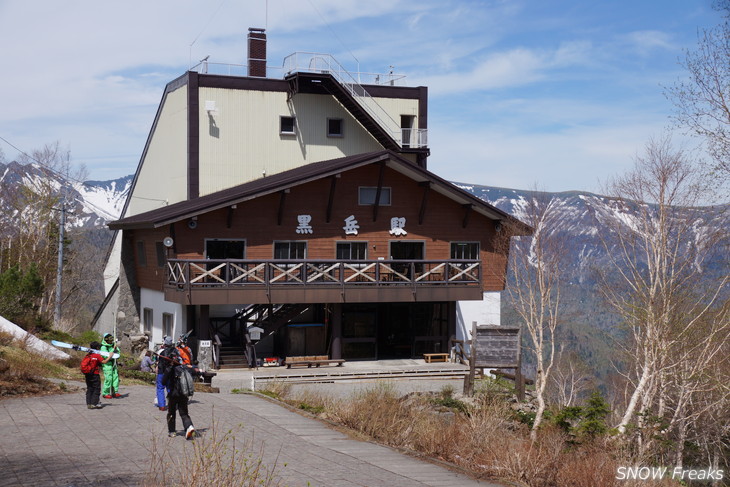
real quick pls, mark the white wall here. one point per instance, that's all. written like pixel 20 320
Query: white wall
pixel 484 312
pixel 155 300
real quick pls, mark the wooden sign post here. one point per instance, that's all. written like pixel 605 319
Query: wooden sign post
pixel 495 347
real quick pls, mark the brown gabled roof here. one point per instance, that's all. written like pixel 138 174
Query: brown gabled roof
pixel 302 175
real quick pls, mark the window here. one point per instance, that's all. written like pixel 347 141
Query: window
pixel 167 322
pixel 352 250
pixel 147 320
pixel 290 250
pixel 287 125
pixel 367 195
pixel 465 250
pixel 141 254
pixel 160 250
pixel 334 127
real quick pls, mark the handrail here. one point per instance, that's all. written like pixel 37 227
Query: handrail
pixel 312 62
pixel 237 273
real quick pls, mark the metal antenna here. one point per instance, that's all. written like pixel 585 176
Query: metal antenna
pixel 190 53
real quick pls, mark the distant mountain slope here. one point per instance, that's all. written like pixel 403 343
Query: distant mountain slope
pixel 92 203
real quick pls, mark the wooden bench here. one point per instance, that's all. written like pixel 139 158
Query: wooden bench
pixel 310 360
pixel 435 357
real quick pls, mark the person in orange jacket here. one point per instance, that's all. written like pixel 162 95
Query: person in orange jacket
pixel 184 351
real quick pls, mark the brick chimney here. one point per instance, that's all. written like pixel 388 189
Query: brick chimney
pixel 256 52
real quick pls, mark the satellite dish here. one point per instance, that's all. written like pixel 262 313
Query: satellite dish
pixel 192 224
pixel 167 242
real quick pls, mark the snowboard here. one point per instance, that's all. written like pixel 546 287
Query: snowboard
pixel 83 349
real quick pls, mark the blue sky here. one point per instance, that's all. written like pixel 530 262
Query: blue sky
pixel 561 94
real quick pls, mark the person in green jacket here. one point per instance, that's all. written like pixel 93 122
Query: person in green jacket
pixel 111 375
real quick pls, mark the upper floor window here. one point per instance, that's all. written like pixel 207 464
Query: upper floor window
pixel 141 254
pixel 352 250
pixel 334 127
pixel 465 250
pixel 287 125
pixel 160 251
pixel 290 250
pixel 367 195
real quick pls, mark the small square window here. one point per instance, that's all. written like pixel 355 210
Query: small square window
pixel 352 250
pixel 287 125
pixel 334 127
pixel 367 195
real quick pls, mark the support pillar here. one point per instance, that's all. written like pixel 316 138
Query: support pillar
pixel 336 331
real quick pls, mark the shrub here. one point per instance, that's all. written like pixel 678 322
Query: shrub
pixel 6 339
pixel 276 389
pixel 147 377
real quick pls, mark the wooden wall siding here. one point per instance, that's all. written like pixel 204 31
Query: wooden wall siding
pixel 150 276
pixel 165 158
pixel 241 141
pixel 256 221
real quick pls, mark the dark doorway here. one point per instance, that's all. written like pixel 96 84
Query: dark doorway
pixel 395 330
pixel 406 250
pixel 395 335
pixel 225 249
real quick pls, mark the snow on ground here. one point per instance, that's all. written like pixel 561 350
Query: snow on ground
pixel 34 343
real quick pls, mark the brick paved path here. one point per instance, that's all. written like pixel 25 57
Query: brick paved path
pixel 56 441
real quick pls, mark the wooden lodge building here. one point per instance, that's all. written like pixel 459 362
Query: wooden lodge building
pixel 301 205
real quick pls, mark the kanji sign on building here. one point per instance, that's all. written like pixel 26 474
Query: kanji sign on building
pixel 304 226
pixel 398 226
pixel 351 227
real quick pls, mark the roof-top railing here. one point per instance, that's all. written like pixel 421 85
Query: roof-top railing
pixel 311 62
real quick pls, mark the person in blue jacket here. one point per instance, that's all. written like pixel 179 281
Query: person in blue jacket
pixel 163 364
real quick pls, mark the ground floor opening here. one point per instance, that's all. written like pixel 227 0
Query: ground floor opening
pixel 363 331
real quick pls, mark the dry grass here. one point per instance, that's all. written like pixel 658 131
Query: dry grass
pixel 215 460
pixel 23 373
pixel 487 441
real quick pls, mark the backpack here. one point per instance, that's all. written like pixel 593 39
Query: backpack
pixel 88 364
pixel 184 379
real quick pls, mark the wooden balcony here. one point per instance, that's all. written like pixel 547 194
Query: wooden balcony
pixel 321 281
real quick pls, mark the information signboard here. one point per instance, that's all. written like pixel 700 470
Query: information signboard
pixel 497 347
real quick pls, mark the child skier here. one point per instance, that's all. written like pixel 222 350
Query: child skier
pixel 90 368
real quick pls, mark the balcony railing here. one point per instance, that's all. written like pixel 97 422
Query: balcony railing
pixel 243 274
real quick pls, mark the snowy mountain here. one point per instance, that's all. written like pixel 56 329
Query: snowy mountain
pixel 91 204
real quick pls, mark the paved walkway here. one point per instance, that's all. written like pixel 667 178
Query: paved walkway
pixel 56 441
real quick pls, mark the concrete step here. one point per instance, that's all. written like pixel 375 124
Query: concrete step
pixel 323 375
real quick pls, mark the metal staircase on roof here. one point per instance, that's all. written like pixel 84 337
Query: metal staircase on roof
pixel 324 70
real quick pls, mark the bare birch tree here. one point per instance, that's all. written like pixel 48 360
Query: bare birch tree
pixel 657 282
pixel 535 288
pixel 570 379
